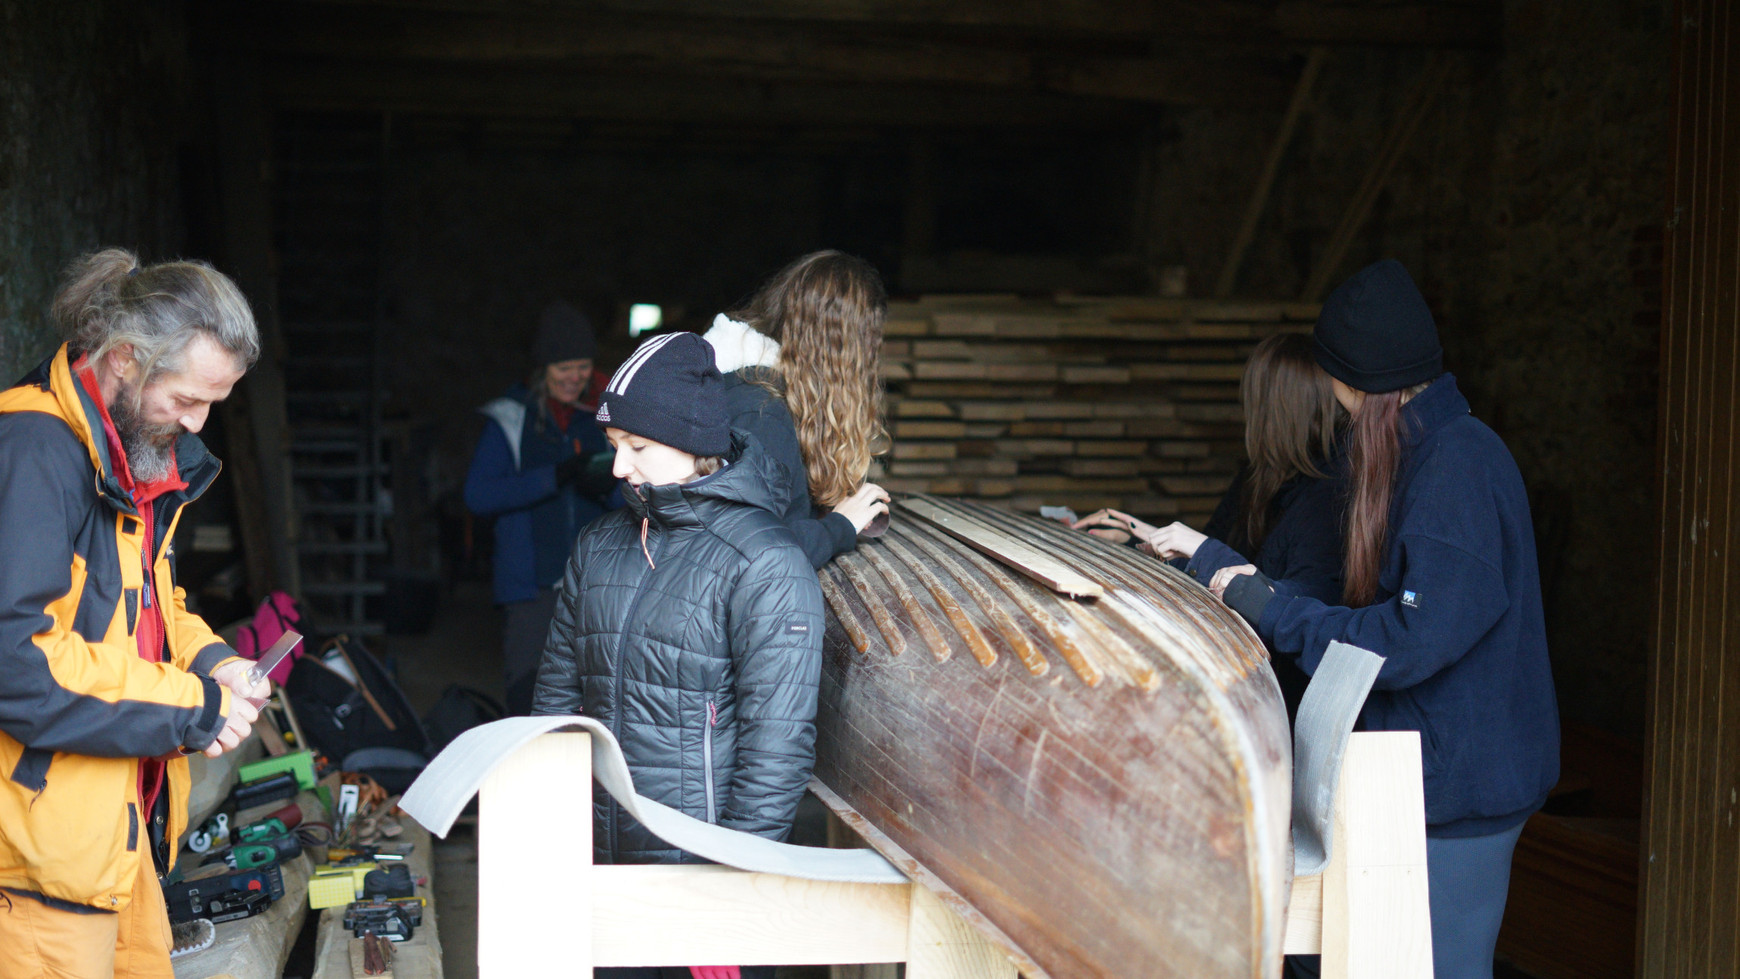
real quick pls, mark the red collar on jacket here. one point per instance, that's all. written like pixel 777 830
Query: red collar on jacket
pixel 142 493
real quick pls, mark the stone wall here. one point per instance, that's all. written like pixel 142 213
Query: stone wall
pixel 91 103
pixel 1529 208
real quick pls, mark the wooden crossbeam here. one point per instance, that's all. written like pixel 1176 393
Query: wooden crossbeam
pixel 779 53
pixel 515 92
pixel 1450 23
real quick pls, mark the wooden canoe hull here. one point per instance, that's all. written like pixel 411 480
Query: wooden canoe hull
pixel 1111 798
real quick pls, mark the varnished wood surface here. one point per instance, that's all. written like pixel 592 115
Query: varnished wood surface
pixel 1691 858
pixel 1105 781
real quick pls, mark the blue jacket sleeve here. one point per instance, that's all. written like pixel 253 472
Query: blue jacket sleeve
pixel 493 486
pixel 823 537
pixel 820 537
pixel 1447 600
pixel 1212 555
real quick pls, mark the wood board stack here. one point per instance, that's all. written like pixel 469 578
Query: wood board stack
pixel 1126 402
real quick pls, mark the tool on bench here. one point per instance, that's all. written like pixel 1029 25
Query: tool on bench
pixel 377 956
pixel 251 794
pixel 392 881
pixel 391 918
pixel 297 763
pixel 221 894
pixel 216 833
pixel 270 659
pixel 270 828
pixel 192 936
pixel 334 886
pixel 246 856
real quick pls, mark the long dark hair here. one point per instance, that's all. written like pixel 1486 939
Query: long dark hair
pixel 1374 453
pixel 1290 416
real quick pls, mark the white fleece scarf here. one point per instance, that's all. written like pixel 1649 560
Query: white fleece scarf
pixel 738 345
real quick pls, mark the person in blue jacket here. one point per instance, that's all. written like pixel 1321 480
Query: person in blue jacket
pixel 1441 581
pixel 1284 506
pixel 542 470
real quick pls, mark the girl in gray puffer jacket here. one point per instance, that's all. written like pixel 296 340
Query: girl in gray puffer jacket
pixel 689 622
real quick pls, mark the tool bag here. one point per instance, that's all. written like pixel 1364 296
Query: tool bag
pixel 460 709
pixel 346 700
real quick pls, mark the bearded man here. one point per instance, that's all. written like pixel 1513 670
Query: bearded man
pixel 107 681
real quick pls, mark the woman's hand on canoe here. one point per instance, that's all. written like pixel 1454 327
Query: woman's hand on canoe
pixel 1174 540
pixel 1113 525
pixel 864 506
pixel 1224 577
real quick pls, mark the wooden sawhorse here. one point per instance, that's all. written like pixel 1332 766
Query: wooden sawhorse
pixel 545 909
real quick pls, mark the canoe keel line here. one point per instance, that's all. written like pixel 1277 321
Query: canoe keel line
pixel 1100 784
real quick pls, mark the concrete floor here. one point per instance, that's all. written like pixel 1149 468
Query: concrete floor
pixel 463 645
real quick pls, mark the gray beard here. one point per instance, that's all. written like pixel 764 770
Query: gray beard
pixel 150 448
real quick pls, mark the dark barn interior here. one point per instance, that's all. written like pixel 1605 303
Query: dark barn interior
pixel 400 185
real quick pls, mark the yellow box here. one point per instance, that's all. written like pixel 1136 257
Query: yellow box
pixel 330 891
pixel 332 886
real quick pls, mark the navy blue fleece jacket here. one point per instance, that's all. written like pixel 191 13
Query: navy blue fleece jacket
pixel 535 519
pixel 1458 619
pixel 754 409
pixel 1301 552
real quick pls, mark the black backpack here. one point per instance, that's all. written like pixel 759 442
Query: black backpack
pixel 339 716
pixel 459 710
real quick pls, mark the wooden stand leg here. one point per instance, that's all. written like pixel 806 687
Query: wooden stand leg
pixel 532 884
pixel 942 946
pixel 1377 921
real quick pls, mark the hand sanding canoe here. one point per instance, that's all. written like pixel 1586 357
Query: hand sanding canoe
pixel 1100 784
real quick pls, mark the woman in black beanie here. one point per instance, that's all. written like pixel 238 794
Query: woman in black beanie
pixel 541 470
pixel 690 621
pixel 1440 580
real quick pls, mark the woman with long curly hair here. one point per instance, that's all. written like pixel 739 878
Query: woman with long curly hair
pixel 1284 506
pixel 803 374
pixel 1441 581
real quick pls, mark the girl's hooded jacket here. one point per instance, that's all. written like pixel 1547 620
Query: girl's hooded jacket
pixel 690 622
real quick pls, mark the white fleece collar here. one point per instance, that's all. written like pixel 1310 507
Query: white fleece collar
pixel 738 345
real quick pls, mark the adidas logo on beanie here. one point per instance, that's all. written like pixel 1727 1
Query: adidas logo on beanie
pixel 669 391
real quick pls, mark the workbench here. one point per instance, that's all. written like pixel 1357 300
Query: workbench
pixel 256 947
pixel 416 958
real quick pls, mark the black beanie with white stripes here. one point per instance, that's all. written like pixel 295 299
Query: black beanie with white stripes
pixel 669 391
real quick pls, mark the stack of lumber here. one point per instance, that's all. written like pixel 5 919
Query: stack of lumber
pixel 1085 403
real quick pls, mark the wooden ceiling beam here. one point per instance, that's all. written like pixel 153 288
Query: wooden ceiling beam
pixel 1291 23
pixel 507 92
pixel 299 32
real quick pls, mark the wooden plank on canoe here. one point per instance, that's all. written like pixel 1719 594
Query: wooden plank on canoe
pixel 1018 554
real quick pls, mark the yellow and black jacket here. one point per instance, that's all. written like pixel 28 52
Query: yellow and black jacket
pixel 79 707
